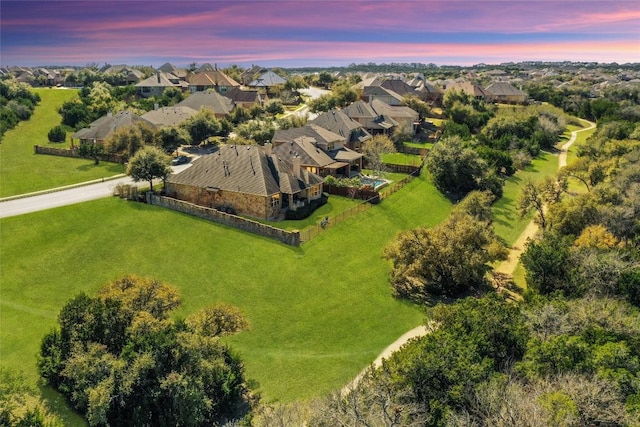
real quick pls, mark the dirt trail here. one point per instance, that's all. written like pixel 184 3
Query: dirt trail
pixel 507 267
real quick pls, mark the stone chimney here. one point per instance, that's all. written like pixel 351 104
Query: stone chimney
pixel 158 76
pixel 296 166
pixel 268 148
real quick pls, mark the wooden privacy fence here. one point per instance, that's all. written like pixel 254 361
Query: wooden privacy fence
pixel 313 231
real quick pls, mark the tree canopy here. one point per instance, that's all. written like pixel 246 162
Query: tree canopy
pixel 449 259
pixel 120 360
pixel 149 163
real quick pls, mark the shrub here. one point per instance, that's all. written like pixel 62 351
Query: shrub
pixel 306 210
pixel 57 134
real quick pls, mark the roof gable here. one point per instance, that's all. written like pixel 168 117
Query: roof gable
pixel 105 125
pixel 211 100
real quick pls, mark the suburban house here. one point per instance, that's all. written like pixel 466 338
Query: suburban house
pixel 320 151
pixel 505 93
pixel 407 118
pixel 123 74
pixel 369 93
pixel 339 123
pixel 249 179
pixel 426 90
pixel 169 116
pixel 99 130
pixel 246 98
pixel 220 105
pixel 363 113
pixel 379 117
pixel 156 84
pixel 250 74
pixel 168 67
pixel 266 80
pixel 476 91
pixel 211 79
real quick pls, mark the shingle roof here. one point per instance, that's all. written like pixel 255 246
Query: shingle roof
pixel 360 109
pixel 504 89
pixel 212 78
pixel 169 116
pixel 244 169
pixel 160 79
pixel 338 122
pixel 211 100
pixel 319 134
pixel 398 86
pixel 305 148
pixel 384 109
pixel 105 125
pixel 267 79
pixel 238 95
pixel 373 91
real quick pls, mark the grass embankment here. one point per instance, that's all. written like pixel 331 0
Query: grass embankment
pixel 22 171
pixel 318 314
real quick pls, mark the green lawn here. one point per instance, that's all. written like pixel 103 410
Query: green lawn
pixel 318 314
pixel 402 159
pixel 426 145
pixel 22 171
pixel 507 223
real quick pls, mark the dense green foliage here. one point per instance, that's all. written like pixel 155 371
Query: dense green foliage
pixel 120 360
pixel 591 241
pixel 489 362
pixel 17 103
pixel 449 259
pixel 457 169
pixel 149 163
pixel 57 134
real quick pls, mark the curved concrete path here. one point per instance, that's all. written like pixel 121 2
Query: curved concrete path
pixel 507 267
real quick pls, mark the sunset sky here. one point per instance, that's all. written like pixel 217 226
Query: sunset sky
pixel 299 33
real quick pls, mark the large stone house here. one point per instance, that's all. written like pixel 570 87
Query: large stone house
pixel 248 179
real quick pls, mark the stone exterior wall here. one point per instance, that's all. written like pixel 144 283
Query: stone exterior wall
pixel 66 152
pixel 291 238
pixel 246 204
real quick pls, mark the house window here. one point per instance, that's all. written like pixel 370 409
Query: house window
pixel 331 146
pixel 314 192
pixel 146 89
pixel 275 200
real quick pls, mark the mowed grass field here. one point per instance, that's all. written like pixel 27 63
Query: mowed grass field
pixel 22 171
pixel 318 314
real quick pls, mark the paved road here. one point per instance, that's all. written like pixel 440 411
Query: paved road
pixel 65 197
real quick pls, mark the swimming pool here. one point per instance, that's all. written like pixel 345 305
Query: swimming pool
pixel 376 183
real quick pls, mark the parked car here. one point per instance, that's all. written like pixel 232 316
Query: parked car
pixel 180 160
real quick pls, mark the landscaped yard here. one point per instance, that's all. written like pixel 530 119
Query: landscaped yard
pixel 22 171
pixel 402 159
pixel 318 314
